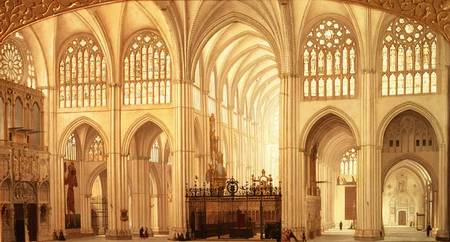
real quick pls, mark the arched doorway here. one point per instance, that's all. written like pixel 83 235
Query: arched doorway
pixel 409 154
pixel 331 160
pixel 149 169
pixel 408 196
pixel 84 154
pixel 99 204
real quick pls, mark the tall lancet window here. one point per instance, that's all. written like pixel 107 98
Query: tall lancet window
pixel 71 148
pixel 349 163
pixel 147 71
pixel 329 61
pixel 409 59
pixel 154 155
pixel 96 150
pixel 82 74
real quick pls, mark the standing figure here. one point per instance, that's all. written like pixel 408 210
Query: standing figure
pixel 428 230
pixel 71 182
pixel 340 225
pixel 141 232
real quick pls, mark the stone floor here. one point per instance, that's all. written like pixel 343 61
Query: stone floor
pixel 403 234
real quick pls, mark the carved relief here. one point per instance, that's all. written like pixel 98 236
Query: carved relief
pixel 24 193
pixel 29 167
pixel 435 13
pixel 17 14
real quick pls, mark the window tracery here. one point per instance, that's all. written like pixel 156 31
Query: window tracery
pixel 154 155
pixel 349 163
pixel 82 74
pixel 96 150
pixel 147 71
pixel 329 61
pixel 409 56
pixel 71 148
pixel 16 64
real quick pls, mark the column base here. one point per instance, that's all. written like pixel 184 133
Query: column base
pixel 369 234
pixel 87 231
pixel 442 235
pixel 119 235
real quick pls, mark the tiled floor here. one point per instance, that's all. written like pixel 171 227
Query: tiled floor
pixel 403 234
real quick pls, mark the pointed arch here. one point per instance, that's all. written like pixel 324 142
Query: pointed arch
pixel 322 113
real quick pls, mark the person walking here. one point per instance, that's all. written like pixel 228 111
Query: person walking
pixel 303 236
pixel 340 225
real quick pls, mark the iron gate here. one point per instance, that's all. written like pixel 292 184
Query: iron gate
pixel 233 211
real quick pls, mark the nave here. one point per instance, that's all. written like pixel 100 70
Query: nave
pixel 232 119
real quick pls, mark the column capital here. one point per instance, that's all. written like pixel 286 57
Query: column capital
pixel 368 71
pixel 288 74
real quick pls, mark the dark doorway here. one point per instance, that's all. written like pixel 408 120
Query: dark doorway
pixel 20 212
pixel 402 218
pixel 19 223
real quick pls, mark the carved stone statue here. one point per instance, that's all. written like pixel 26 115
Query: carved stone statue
pixel 216 173
pixel 71 182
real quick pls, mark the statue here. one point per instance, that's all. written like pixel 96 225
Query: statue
pixel 216 173
pixel 71 182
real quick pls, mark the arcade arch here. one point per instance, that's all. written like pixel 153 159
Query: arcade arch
pixel 149 173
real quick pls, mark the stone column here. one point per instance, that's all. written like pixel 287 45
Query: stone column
pixel 57 197
pixel 184 155
pixel 86 223
pixel 442 232
pixel 369 183
pixel 291 161
pixel 140 190
pixel 368 190
pixel 118 214
pixel 56 166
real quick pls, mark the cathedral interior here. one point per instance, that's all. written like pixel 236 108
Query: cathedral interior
pixel 187 120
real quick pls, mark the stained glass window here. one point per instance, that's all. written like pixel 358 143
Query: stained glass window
pixel 82 74
pixel 71 148
pixel 409 50
pixel 147 71
pixel 349 163
pixel 16 64
pixel 96 149
pixel 154 155
pixel 330 57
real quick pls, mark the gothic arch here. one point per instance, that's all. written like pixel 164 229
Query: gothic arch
pixel 76 123
pixel 128 136
pixel 350 24
pixel 405 107
pixel 322 113
pixel 94 174
pixel 414 161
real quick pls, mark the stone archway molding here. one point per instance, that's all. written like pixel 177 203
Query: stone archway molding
pixel 15 15
pixel 322 113
pixel 413 107
pixel 75 124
